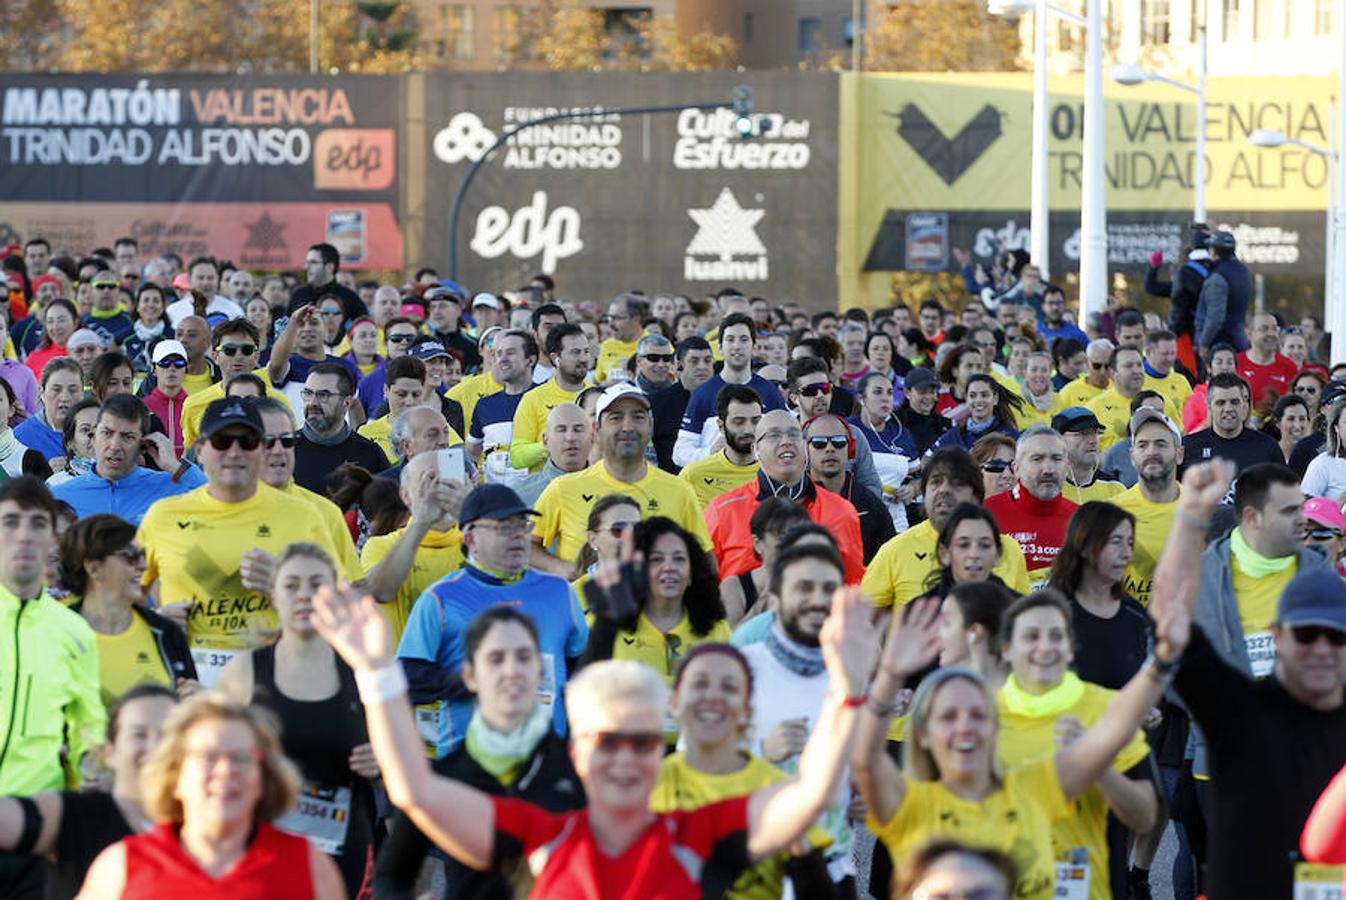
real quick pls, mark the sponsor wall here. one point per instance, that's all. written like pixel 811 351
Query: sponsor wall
pixel 672 202
pixel 932 162
pixel 253 168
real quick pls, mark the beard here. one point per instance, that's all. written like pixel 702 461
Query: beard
pixel 740 443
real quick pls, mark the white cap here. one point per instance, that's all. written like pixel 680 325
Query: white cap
pixel 84 337
pixel 486 299
pixel 616 392
pixel 164 349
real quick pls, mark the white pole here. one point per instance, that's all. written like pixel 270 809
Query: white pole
pixel 1038 225
pixel 1330 291
pixel 1200 174
pixel 1336 316
pixel 1093 211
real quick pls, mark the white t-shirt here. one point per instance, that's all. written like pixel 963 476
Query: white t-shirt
pixel 1325 477
pixel 219 306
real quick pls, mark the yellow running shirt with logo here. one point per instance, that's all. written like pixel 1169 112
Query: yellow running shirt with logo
pixel 714 475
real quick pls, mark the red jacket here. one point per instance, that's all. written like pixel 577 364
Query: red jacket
pixel 1038 525
pixel 728 515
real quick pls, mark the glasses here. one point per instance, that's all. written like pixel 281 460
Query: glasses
pixel 236 349
pixel 813 390
pixel 659 357
pixel 974 893
pixel 1309 634
pixel 774 435
pixel 247 440
pixel 828 440
pixel 321 396
pixel 237 759
pixel 401 338
pixel 1097 366
pixel 995 465
pixel 173 362
pixel 105 285
pixel 133 555
pixel 642 743
pixel 505 527
pixel 285 440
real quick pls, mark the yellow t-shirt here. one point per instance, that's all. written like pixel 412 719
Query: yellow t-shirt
pixel 1030 739
pixel 714 475
pixel 194 407
pixel 1153 523
pixel 1114 414
pixel 680 787
pixel 1174 389
pixel 440 553
pixel 194 384
pixel 377 430
pixel 193 544
pixel 1028 414
pixel 1098 489
pixel 901 569
pixel 333 525
pixel 1257 599
pixel 662 651
pixel 471 390
pixel 1016 819
pixel 565 503
pixel 128 659
pixel 1078 393
pixel 530 420
pixel 612 357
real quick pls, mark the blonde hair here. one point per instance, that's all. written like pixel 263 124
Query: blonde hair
pixel 159 780
pixel 918 762
pixel 612 682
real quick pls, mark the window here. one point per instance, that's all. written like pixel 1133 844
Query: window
pixel 810 35
pixel 1322 16
pixel 453 25
pixel 1154 17
pixel 506 33
pixel 1229 19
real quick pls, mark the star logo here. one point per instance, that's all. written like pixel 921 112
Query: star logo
pixel 264 234
pixel 726 232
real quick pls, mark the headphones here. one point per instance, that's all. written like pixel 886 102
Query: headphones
pixel 850 435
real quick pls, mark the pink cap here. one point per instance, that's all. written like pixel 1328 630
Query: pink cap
pixel 1325 512
pixel 182 282
pixel 412 310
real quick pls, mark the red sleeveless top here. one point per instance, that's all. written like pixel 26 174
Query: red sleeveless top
pixel 276 865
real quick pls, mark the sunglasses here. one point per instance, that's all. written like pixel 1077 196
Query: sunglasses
pixel 236 349
pixel 173 362
pixel 401 338
pixel 813 390
pixel 641 743
pixel 659 357
pixel 828 440
pixel 1323 534
pixel 1309 634
pixel 285 440
pixel 1097 366
pixel 247 441
pixel 105 284
pixel 995 465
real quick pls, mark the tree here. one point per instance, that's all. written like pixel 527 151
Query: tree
pixel 939 36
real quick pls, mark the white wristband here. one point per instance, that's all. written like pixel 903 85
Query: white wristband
pixel 379 685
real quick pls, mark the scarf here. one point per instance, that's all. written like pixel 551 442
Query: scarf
pixel 9 444
pixel 148 333
pixel 983 427
pixel 1041 402
pixel 1049 705
pixel 1254 564
pixel 801 660
pixel 649 387
pixel 313 437
pixel 500 753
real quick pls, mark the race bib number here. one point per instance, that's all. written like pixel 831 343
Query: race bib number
pixel 1316 882
pixel 1261 653
pixel 617 373
pixel 546 691
pixel 430 722
pixel 498 469
pixel 1072 876
pixel 321 815
pixel 210 663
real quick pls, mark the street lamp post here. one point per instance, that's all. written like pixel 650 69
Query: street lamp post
pixel 1093 202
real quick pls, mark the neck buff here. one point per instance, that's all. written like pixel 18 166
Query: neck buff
pixel 1254 564
pixel 502 753
pixel 315 438
pixel 801 660
pixel 1053 703
pixel 492 576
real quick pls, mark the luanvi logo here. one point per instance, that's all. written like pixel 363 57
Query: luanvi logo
pixel 949 157
pixel 726 232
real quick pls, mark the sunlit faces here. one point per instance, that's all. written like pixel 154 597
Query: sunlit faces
pixel 711 701
pixel 1228 410
pixel 121 381
pixel 1294 422
pixel 805 598
pixel 403 394
pixel 61 392
pixel 499 544
pixel 1115 555
pixel 505 673
pixel 669 565
pixel 140 725
pixel 953 634
pixel 617 774
pixel 1222 361
pixel 942 494
pixel 1161 355
pixel 220 780
pixel 29 538
pixel 1128 371
pixel 58 324
pixel 1040 648
pixel 1266 333
pixel 116 446
pixel 972 551
pixel 1040 464
pixel 1155 454
pixel 997 472
pixel 740 426
pixel 119 573
pixel 233 468
pixel 696 367
pixel 877 400
pixel 1307 661
pixel 736 343
pixel 364 338
pixel 780 447
pixel 296 582
pixel 613 522
pixel 827 440
pixel 569 437
pixel 624 429
pixel 1038 374
pixel 574 358
pixel 1280 521
pixel 962 875
pixel 960 731
pixel 968 365
pixel 981 400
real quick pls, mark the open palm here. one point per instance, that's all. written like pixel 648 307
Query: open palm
pixel 913 642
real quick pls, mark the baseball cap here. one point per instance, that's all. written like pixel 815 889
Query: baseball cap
pixel 616 392
pixel 1324 512
pixel 1075 418
pixel 1146 414
pixel 221 414
pixel 486 298
pixel 918 378
pixel 182 282
pixel 428 350
pixel 83 338
pixel 492 501
pixel 104 276
pixel 443 293
pixel 1314 598
pixel 1334 391
pixel 164 349
pixel 1223 240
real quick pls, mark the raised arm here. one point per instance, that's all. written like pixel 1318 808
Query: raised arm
pixel 458 818
pixel 779 814
pixel 912 644
pixel 279 363
pixel 1171 602
pixel 431 499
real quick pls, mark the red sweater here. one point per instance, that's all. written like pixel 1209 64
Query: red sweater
pixel 1038 525
pixel 276 865
pixel 1270 381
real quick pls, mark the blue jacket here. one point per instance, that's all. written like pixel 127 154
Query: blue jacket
pixel 1223 305
pixel 130 497
pixel 34 433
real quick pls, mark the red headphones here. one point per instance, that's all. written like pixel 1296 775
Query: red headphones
pixel 850 435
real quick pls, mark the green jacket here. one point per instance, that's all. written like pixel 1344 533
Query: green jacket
pixel 49 699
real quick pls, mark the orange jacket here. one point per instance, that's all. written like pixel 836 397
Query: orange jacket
pixel 728 515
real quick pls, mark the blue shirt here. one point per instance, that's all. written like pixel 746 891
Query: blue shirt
pixel 1065 331
pixel 701 405
pixel 131 497
pixel 370 389
pixel 112 329
pixel 435 629
pixel 36 434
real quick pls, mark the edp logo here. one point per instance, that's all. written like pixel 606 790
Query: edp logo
pixel 528 232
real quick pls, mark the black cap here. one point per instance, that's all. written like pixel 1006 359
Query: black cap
pixel 223 413
pixel 492 501
pixel 919 377
pixel 1222 240
pixel 1314 598
pixel 1334 391
pixel 1075 418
